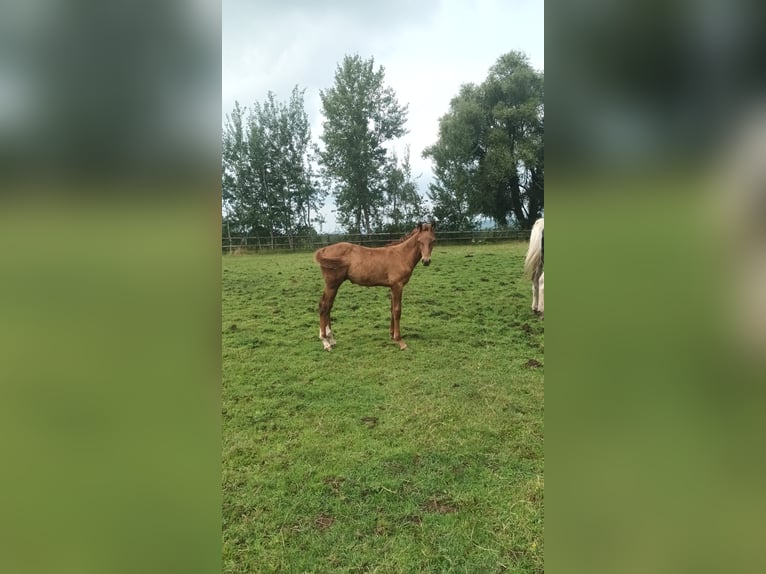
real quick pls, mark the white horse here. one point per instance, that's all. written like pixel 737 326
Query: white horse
pixel 533 266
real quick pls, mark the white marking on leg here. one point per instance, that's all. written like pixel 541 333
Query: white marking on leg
pixel 330 337
pixel 325 342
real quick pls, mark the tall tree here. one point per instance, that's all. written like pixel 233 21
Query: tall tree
pixel 267 179
pixel 361 115
pixel 240 201
pixel 489 158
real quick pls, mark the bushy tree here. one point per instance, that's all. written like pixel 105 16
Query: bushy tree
pixel 268 186
pixel 241 203
pixel 361 114
pixel 489 158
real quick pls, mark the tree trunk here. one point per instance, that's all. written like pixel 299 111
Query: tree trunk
pixel 516 204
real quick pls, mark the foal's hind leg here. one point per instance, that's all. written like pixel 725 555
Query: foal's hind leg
pixel 325 306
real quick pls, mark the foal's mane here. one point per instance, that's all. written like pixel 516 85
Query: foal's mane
pixel 403 239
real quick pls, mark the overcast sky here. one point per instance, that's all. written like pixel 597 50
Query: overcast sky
pixel 427 47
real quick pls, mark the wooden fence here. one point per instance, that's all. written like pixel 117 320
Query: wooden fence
pixel 255 244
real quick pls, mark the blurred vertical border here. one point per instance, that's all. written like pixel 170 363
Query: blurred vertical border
pixel 110 286
pixel 656 287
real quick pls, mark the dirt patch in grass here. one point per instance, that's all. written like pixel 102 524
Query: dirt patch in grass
pixel 526 328
pixel 533 364
pixel 414 519
pixel 334 482
pixel 438 506
pixel 323 521
pixel 371 422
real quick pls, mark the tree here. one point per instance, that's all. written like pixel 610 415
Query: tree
pixel 268 185
pixel 240 201
pixel 450 202
pixel 403 205
pixel 489 158
pixel 361 115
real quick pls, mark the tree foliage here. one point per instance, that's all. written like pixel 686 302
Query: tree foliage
pixel 403 204
pixel 489 157
pixel 267 180
pixel 361 114
pixel 488 160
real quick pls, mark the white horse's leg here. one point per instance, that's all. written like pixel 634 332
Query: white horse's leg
pixel 533 262
pixel 541 304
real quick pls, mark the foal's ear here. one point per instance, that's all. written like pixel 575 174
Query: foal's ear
pixel 433 225
pixel 420 226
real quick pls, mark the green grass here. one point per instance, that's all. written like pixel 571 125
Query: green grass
pixel 372 459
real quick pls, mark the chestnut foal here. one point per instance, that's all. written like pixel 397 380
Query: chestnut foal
pixel 390 266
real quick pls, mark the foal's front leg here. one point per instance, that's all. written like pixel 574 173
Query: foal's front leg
pixel 391 313
pixel 396 314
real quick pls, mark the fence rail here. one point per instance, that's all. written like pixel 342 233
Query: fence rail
pixel 254 244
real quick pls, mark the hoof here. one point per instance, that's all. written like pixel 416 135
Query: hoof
pixel 402 345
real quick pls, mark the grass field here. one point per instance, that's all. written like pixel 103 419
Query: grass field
pixel 372 459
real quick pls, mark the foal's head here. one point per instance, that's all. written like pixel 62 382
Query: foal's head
pixel 426 238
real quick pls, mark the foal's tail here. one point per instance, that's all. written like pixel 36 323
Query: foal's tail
pixel 534 259
pixel 321 257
